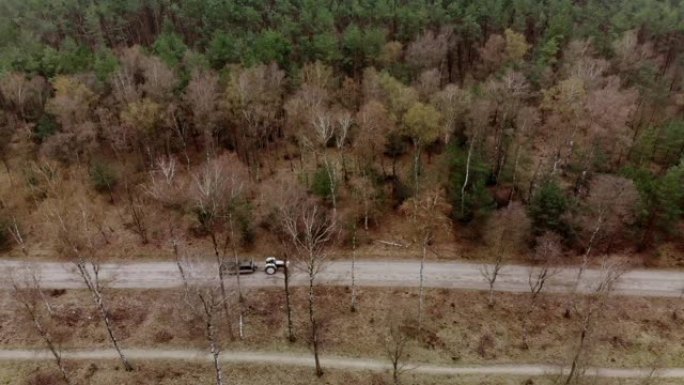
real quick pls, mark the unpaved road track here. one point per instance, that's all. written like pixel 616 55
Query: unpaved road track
pixel 456 275
pixel 290 359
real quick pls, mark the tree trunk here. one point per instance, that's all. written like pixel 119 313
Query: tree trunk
pixel 241 299
pixel 94 288
pixel 353 271
pixel 107 321
pixel 215 349
pixel 416 167
pixel 224 295
pixel 467 175
pixel 587 253
pixel 394 166
pixel 314 325
pixel 288 304
pixel 333 185
pixel 515 175
pixel 420 287
pixel 45 335
pixel 395 372
pixel 580 349
pixel 490 300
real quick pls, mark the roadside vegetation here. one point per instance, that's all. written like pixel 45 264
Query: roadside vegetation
pixel 627 332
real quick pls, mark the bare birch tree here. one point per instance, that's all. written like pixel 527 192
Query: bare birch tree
pixel 344 122
pixel 281 197
pixel 547 251
pixel 77 238
pixel 396 344
pixel 508 230
pixel 204 297
pixel 29 295
pixel 427 215
pixel 589 311
pixel 479 116
pixel 217 193
pixel 323 123
pixel 611 203
pixel 310 229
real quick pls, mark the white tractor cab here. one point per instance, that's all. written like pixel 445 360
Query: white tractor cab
pixel 273 264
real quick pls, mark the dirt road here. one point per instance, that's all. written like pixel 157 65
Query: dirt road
pixel 513 278
pixel 290 359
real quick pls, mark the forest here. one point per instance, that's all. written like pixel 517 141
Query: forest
pixel 527 120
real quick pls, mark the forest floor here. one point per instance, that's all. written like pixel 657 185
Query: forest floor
pixel 389 235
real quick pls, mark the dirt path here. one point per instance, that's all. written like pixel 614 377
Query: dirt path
pixel 457 275
pixel 291 359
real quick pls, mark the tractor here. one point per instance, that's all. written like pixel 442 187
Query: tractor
pixel 273 264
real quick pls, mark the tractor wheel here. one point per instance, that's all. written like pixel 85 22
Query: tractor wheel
pixel 270 270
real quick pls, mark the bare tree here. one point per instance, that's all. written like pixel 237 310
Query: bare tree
pixel 479 115
pixel 218 191
pixel 374 123
pixel 72 107
pixel 353 270
pixel 366 194
pixel 76 235
pixel 28 294
pixel 136 210
pixel 288 295
pixel 491 273
pixel 331 168
pixel 13 229
pixel 21 93
pixel 507 231
pixel 589 310
pixel 323 125
pixel 527 120
pixel 202 96
pixel 204 296
pixel 453 103
pixel 426 213
pixel 610 208
pixel 396 343
pixel 344 122
pixel 281 197
pixel 165 186
pixel 310 229
pixel 547 251
pixel 253 100
pixel 428 50
pixel 160 80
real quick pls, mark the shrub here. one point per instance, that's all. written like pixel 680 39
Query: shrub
pixel 322 185
pixel 46 127
pixel 5 236
pixel 245 224
pixel 103 177
pixel 547 208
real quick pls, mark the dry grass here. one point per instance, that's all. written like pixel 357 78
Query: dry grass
pixel 459 327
